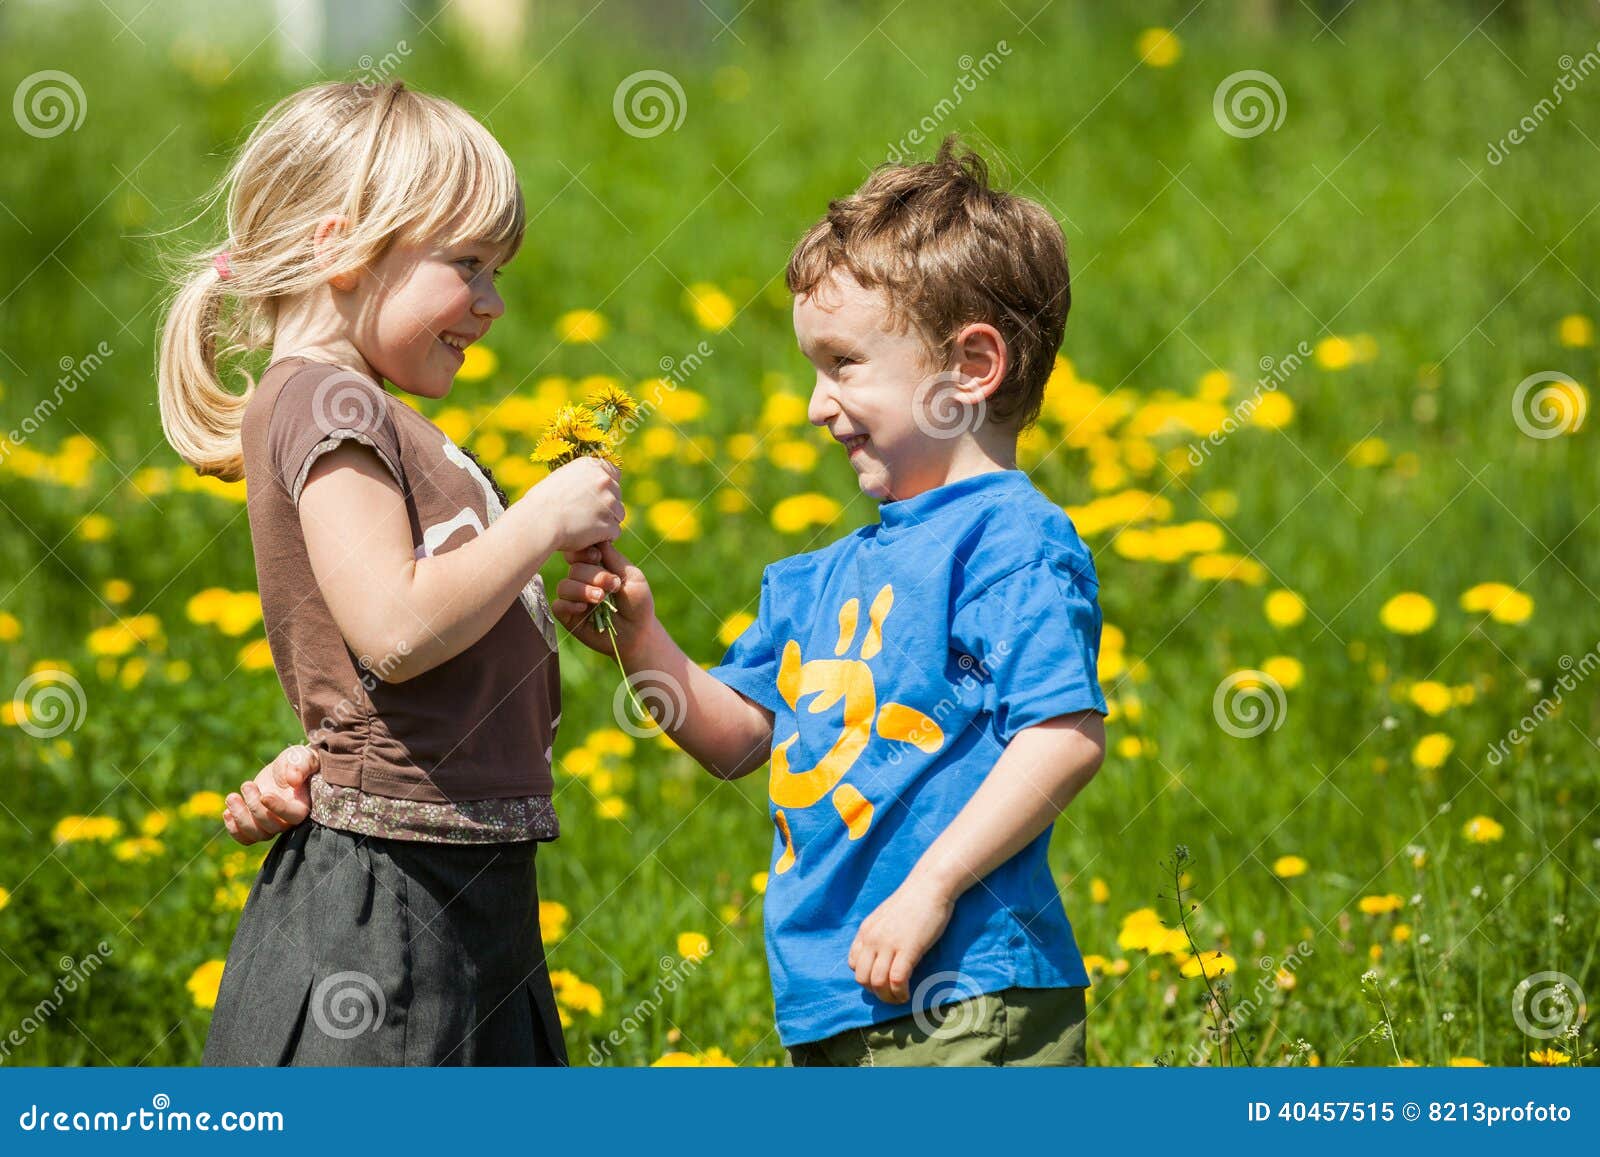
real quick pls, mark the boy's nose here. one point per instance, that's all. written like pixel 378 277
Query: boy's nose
pixel 822 407
pixel 490 304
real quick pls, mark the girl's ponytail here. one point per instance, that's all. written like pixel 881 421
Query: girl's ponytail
pixel 201 418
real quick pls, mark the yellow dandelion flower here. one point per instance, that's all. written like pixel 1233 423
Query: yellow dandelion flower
pixel 611 808
pixel 1432 750
pixel 1466 1063
pixel 10 628
pixel 1400 933
pixel 693 946
pixel 613 401
pixel 116 590
pixel 1284 608
pixel 553 450
pixel 256 656
pixel 674 520
pixel 1099 891
pixel 733 626
pixel 204 982
pixel 1548 1057
pixel 712 309
pixel 1274 411
pixel 1483 830
pixel 1381 905
pixel 1288 672
pixel 581 326
pixel 1575 331
pixel 1408 613
pixel 203 805
pixel 1434 698
pixel 5 898
pixel 802 511
pixel 1211 963
pixel 477 363
pixel 553 917
pixel 1288 867
pixel 1159 47
pixel 81 829
pixel 137 848
pixel 758 883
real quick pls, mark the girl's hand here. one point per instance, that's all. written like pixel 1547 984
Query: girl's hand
pixel 277 799
pixel 584 497
pixel 592 574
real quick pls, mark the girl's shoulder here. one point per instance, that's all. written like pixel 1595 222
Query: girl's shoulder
pixel 301 408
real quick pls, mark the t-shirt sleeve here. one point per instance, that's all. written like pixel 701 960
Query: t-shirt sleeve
pixel 317 411
pixel 1036 636
pixel 751 665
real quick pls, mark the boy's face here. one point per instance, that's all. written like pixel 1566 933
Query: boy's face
pixel 868 376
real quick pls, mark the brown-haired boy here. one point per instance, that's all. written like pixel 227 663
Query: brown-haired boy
pixel 925 688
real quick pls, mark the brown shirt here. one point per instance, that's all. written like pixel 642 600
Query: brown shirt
pixel 478 727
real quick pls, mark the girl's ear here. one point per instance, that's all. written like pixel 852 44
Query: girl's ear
pixel 980 360
pixel 324 247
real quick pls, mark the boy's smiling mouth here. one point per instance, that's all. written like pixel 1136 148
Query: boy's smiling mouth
pixel 852 442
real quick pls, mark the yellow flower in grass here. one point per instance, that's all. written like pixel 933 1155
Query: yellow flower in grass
pixel 1431 751
pixel 581 326
pixel 551 448
pixel 1483 830
pixel 137 848
pixel 1502 603
pixel 1434 698
pixel 1466 1063
pixel 576 994
pixel 10 628
pixel 1381 905
pixel 78 829
pixel 5 898
pixel 1288 867
pixel 203 805
pixel 256 656
pixel 758 883
pixel 204 982
pixel 801 511
pixel 116 590
pixel 1274 411
pixel 674 520
pixel 609 741
pixel 693 946
pixel 477 363
pixel 1575 331
pixel 611 808
pixel 712 308
pixel 733 626
pixel 1099 890
pixel 1408 613
pixel 553 916
pixel 1284 609
pixel 1211 962
pixel 1159 47
pixel 1289 673
pixel 610 399
pixel 95 528
pixel 712 1058
pixel 1548 1057
pixel 1400 933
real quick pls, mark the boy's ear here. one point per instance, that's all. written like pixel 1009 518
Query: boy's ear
pixel 979 360
pixel 324 245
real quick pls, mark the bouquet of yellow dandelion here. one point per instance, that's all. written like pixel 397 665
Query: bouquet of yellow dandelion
pixel 593 430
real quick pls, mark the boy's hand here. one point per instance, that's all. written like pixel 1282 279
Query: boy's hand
pixel 893 940
pixel 591 575
pixel 277 799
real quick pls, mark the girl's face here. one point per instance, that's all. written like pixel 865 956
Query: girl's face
pixel 420 305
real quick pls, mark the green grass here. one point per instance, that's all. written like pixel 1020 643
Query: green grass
pixel 1371 210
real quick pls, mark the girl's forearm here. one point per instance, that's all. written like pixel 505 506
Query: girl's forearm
pixel 467 590
pixel 723 731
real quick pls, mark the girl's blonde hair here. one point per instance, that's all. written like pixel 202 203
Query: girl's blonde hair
pixel 392 162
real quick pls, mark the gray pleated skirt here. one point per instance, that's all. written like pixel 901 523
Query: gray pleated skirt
pixel 355 950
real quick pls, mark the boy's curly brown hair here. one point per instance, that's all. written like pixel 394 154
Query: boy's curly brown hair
pixel 947 250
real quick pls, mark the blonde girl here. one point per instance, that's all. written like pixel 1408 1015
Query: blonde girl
pixel 399 589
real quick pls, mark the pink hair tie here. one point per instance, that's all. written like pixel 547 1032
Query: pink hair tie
pixel 224 271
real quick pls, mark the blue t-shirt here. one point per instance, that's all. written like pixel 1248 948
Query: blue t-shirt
pixel 898 663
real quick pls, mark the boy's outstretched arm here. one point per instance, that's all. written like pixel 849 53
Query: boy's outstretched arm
pixel 1037 775
pixel 723 731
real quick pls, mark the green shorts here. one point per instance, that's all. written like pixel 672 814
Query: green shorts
pixel 1015 1026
